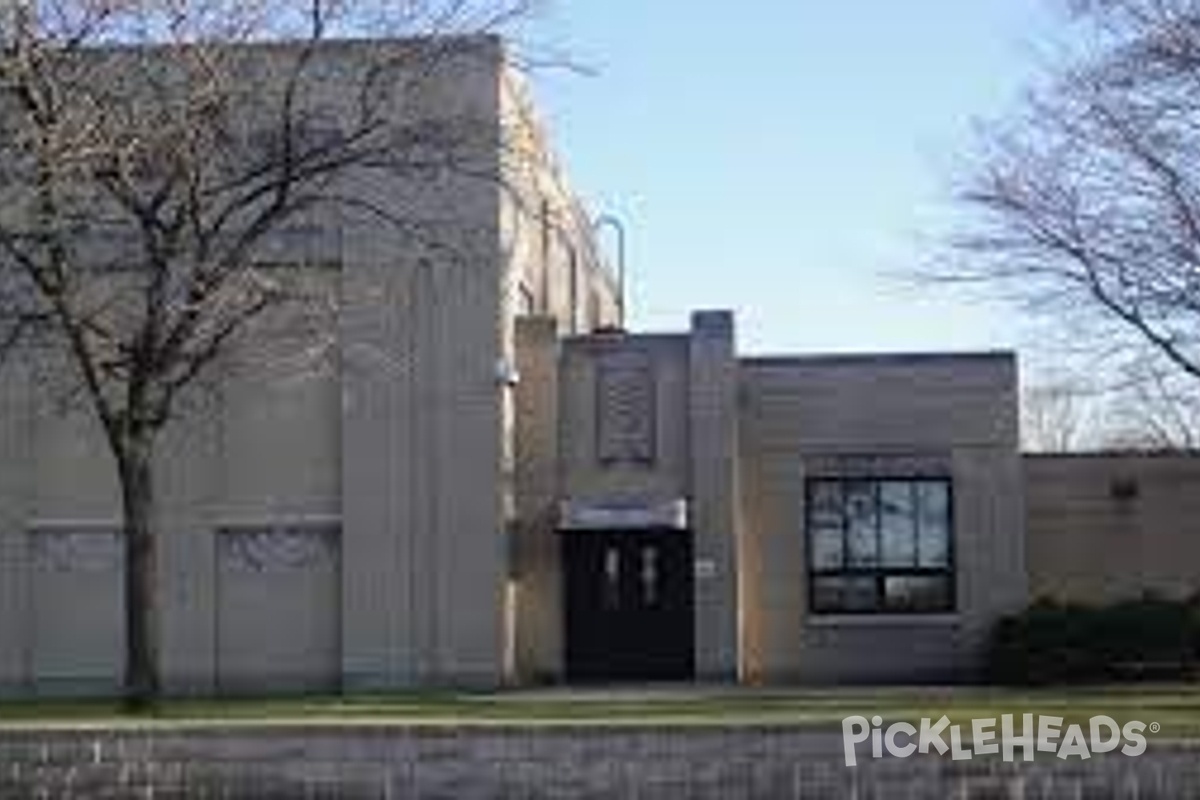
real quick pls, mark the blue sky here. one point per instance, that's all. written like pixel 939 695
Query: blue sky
pixel 788 159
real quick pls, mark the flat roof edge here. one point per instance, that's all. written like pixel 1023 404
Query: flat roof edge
pixel 1081 455
pixel 618 337
pixel 494 41
pixel 877 358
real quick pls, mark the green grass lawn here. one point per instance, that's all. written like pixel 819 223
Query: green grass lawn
pixel 1175 707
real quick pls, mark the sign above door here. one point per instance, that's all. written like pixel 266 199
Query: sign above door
pixel 623 514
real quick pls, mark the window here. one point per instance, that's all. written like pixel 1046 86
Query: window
pixel 879 545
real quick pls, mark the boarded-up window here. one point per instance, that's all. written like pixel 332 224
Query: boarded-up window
pixel 78 620
pixel 278 607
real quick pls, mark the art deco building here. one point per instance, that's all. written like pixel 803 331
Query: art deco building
pixel 491 482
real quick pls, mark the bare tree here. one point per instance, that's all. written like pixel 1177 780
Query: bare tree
pixel 1055 415
pixel 1087 204
pixel 1140 406
pixel 1153 407
pixel 149 152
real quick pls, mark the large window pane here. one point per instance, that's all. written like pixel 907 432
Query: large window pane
pixel 825 509
pixel 917 593
pixel 825 526
pixel 897 524
pixel 845 594
pixel 862 527
pixel 827 548
pixel 933 544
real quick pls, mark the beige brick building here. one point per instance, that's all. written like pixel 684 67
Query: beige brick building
pixel 492 483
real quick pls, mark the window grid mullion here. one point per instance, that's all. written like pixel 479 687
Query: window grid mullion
pixel 877 512
pixel 875 571
pixel 914 500
pixel 845 518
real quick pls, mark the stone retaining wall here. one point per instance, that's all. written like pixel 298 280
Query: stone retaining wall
pixel 501 762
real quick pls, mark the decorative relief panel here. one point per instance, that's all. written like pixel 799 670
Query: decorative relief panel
pixel 281 548
pixel 75 549
pixel 625 408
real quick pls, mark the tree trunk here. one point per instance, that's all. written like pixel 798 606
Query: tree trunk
pixel 141 678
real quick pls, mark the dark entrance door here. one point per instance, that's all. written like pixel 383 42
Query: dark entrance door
pixel 628 604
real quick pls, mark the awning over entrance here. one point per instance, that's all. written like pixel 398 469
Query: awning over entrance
pixel 623 514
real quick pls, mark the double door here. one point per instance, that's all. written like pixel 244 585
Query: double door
pixel 629 605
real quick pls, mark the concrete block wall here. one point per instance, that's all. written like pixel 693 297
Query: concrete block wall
pixel 358 762
pixel 1112 526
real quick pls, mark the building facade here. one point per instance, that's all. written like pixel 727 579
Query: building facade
pixel 491 483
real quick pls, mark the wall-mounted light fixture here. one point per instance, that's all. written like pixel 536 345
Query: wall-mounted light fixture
pixel 506 374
